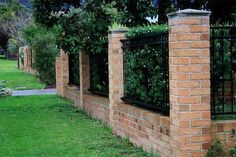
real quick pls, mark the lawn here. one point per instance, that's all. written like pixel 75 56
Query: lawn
pixel 49 126
pixel 16 79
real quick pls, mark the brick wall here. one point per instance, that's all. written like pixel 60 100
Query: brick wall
pixel 143 128
pixel 97 107
pixel 225 131
pixel 188 131
pixel 73 93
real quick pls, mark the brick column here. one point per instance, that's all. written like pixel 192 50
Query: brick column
pixel 62 73
pixel 84 76
pixel 29 54
pixel 116 80
pixel 189 71
pixel 25 58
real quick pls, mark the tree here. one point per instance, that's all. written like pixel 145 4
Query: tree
pixel 86 29
pixel 44 9
pixel 222 10
pixel 133 13
pixel 13 18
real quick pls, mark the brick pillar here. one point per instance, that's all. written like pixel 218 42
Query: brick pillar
pixel 21 66
pixel 189 71
pixel 116 80
pixel 29 54
pixel 84 76
pixel 25 58
pixel 62 73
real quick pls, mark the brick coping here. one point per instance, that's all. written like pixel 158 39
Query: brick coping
pixel 189 12
pixel 119 30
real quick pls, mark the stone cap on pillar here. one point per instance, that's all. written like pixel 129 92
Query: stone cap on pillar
pixel 119 30
pixel 189 12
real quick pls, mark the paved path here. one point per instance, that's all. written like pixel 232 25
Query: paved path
pixel 33 92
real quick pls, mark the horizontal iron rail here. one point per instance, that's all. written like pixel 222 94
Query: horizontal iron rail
pixel 141 103
pixel 148 36
pixel 224 37
pixel 222 27
pixel 223 113
pixel 143 44
pixel 155 39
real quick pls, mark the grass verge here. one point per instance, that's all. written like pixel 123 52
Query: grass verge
pixel 16 79
pixel 49 126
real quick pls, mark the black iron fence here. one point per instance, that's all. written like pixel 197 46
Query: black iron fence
pixel 223 70
pixel 146 70
pixel 74 69
pixel 99 73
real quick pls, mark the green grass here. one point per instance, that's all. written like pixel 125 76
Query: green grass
pixel 16 79
pixel 49 126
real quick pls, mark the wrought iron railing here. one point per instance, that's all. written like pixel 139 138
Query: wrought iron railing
pixel 223 70
pixel 74 69
pixel 146 67
pixel 99 73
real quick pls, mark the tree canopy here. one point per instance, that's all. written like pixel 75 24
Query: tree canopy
pixel 13 18
pixel 222 10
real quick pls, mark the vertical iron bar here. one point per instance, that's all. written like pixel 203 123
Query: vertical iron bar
pixel 163 71
pixel 222 68
pixel 166 72
pixel 231 75
pixel 213 83
pixel 167 76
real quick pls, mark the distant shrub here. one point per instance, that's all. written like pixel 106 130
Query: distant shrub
pixel 13 46
pixel 4 91
pixel 43 42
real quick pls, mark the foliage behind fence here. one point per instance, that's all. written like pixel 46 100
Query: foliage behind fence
pixel 74 69
pixel 146 71
pixel 223 70
pixel 99 73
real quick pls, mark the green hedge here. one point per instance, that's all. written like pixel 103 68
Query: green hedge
pixel 142 31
